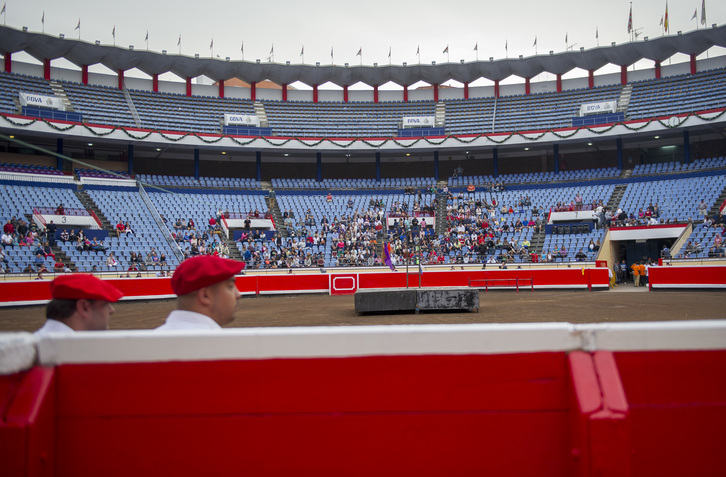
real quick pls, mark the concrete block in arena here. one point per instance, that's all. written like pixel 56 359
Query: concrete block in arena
pixel 438 299
pixel 416 299
pixel 384 301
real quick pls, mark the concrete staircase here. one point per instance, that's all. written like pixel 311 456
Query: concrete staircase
pixel 132 108
pixel 440 214
pixel 234 254
pixel 274 208
pixel 261 114
pixel 61 255
pixel 717 205
pixel 616 197
pixel 89 204
pixel 537 243
pixel 440 114
pixel 624 99
pixel 60 93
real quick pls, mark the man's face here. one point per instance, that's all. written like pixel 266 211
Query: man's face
pixel 224 301
pixel 99 315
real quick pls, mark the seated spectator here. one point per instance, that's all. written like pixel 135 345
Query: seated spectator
pixel 111 261
pixel 64 235
pixel 60 210
pixel 7 240
pixel 152 258
pixel 329 197
pixel 120 228
pixel 580 256
pixel 46 250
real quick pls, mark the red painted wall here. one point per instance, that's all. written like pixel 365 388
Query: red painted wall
pixel 308 283
pixel 677 411
pixel 546 413
pixel 687 277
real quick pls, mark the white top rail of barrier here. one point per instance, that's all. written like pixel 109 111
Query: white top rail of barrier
pixel 19 351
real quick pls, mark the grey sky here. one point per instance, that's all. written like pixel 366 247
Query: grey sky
pixel 373 26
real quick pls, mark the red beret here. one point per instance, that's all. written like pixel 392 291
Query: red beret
pixel 203 271
pixel 82 286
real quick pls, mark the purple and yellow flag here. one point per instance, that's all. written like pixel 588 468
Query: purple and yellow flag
pixel 387 255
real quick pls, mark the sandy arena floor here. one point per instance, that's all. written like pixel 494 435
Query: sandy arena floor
pixel 624 303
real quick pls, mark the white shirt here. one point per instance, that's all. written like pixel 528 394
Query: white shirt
pixel 53 326
pixel 188 320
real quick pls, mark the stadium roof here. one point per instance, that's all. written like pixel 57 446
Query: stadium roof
pixel 42 46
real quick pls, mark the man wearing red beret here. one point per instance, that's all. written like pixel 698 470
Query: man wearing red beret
pixel 80 302
pixel 207 293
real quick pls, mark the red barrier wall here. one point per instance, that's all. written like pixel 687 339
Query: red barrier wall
pixel 678 411
pixel 546 413
pixel 687 277
pixel 38 290
pixel 423 415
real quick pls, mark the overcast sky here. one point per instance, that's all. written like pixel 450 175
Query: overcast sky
pixel 374 26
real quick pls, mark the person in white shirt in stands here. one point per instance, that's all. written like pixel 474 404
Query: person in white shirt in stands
pixel 206 293
pixel 80 302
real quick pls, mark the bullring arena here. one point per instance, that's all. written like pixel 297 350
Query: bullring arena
pixel 528 195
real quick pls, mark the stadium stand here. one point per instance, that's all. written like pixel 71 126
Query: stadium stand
pixel 203 114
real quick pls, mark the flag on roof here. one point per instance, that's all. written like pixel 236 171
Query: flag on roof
pixel 78 27
pixel 565 37
pixel 178 42
pixel 3 10
pixel 418 50
pixel 242 48
pixel 147 36
pixel 389 51
pixel 476 47
pixel 113 32
pixel 42 20
pixel 695 14
pixel 703 12
pixel 446 50
pixel 506 45
pixel 597 34
pixel 331 51
pixel 665 23
pixel 272 49
pixel 630 20
pixel 535 41
pixel 211 44
pixel 360 52
pixel 661 21
pixel 302 50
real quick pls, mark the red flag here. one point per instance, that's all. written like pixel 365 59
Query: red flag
pixel 630 20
